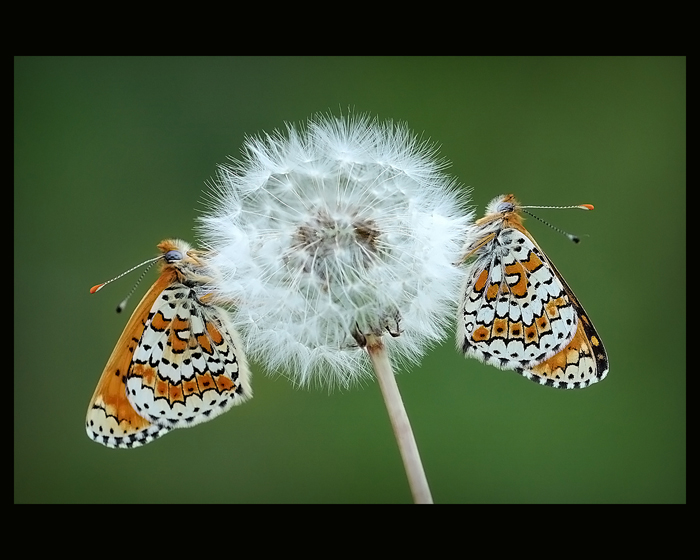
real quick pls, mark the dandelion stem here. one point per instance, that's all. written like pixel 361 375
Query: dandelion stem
pixel 399 421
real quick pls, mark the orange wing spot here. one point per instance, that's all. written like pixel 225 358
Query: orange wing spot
pixel 162 388
pixel 595 341
pixel 180 325
pixel 223 383
pixel 552 307
pixel 177 345
pixel 205 382
pixel 531 334
pixel 585 319
pixel 480 283
pixel 190 387
pixel 159 322
pixel 500 328
pixel 520 287
pixel 204 343
pixel 175 394
pixel 146 373
pixel 515 330
pixel 214 333
pixel 533 262
pixel 179 335
pixel 482 333
pixel 542 323
pixel 492 292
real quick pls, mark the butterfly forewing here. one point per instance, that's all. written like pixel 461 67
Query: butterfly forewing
pixel 111 420
pixel 583 361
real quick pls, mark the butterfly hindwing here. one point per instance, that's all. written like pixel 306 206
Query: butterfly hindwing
pixel 188 366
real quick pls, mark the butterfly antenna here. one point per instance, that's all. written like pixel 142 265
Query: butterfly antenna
pixel 574 238
pixel 121 306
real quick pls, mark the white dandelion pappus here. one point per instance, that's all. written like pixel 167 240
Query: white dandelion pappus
pixel 341 229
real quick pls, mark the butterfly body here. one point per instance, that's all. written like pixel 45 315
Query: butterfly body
pixel 178 362
pixel 517 312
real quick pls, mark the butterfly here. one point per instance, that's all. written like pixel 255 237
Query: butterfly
pixel 178 362
pixel 517 312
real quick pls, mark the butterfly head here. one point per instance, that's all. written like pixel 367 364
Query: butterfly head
pixel 180 254
pixel 501 210
pixel 174 250
pixel 188 263
pixel 501 205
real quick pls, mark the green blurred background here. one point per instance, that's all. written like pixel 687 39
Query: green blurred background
pixel 111 155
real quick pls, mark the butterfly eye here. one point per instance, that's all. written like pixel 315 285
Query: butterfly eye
pixel 172 256
pixel 505 207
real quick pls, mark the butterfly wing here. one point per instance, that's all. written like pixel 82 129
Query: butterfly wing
pixel 517 313
pixel 582 362
pixel 111 420
pixel 189 366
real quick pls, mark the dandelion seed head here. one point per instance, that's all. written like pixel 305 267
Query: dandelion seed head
pixel 322 234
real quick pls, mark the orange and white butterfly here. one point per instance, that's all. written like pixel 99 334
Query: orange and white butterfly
pixel 178 362
pixel 517 312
